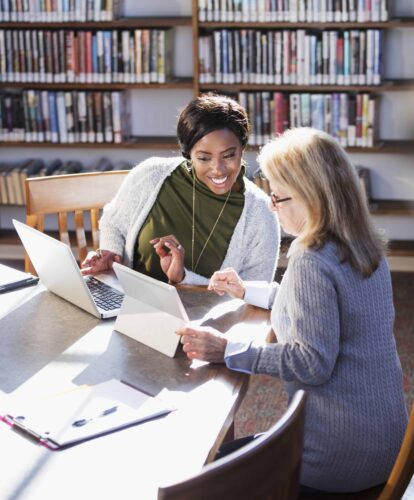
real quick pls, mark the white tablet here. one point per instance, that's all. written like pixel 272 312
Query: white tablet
pixel 151 311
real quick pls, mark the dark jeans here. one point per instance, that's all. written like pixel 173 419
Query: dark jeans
pixel 230 446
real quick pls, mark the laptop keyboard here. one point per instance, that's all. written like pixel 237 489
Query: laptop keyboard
pixel 104 296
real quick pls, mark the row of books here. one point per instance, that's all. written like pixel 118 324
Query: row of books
pixel 349 118
pixel 293 11
pixel 13 175
pixel 63 117
pixel 59 56
pixel 297 57
pixel 58 10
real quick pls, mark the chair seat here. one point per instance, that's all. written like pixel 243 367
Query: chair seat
pixel 370 494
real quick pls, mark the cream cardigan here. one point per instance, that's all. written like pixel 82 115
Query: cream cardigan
pixel 254 246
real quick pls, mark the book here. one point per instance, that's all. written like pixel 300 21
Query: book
pixel 81 413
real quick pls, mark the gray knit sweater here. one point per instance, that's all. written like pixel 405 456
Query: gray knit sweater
pixel 335 341
pixel 251 252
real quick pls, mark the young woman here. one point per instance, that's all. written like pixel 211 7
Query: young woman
pixel 180 219
pixel 332 314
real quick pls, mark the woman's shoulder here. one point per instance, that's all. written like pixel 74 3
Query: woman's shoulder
pixel 255 197
pixel 155 168
pixel 324 257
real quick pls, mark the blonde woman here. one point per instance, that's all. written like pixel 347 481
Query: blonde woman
pixel 332 313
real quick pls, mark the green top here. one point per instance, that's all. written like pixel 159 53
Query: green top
pixel 172 213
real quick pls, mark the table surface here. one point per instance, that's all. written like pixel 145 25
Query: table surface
pixel 47 344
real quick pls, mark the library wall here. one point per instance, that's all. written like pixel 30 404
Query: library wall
pixel 154 112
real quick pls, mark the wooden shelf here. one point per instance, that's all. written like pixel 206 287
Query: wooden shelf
pixel 176 83
pixel 385 146
pixel 392 207
pixel 406 22
pixel 387 86
pixel 187 83
pixel 123 23
pixel 401 248
pixel 162 142
pixel 144 142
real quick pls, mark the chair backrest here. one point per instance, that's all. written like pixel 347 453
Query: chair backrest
pixel 403 469
pixel 268 468
pixel 63 194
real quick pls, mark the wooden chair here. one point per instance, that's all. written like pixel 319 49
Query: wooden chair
pixel 396 484
pixel 77 193
pixel 267 468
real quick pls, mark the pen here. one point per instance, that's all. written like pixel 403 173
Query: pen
pixel 84 421
pixel 18 284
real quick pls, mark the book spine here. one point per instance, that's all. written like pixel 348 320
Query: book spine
pixel 377 57
pixel 107 117
pixel 90 113
pixel 153 56
pixel 146 37
pixel 98 110
pixel 54 124
pixel 82 117
pixel 61 117
pixel 116 117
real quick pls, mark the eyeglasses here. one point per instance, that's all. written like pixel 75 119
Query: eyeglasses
pixel 276 200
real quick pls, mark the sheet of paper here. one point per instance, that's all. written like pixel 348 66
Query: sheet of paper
pixel 9 275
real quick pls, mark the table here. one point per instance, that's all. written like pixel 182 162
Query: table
pixel 47 343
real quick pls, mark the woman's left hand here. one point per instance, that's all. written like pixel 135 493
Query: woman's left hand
pixel 206 343
pixel 172 262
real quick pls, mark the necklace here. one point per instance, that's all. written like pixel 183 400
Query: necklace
pixel 194 267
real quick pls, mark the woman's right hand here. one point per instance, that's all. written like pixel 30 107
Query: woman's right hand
pixel 99 261
pixel 227 281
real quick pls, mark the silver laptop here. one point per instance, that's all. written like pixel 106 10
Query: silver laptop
pixel 60 274
pixel 151 312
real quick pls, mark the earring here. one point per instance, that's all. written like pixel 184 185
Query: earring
pixel 189 165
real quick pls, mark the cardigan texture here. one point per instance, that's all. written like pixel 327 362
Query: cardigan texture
pixel 336 342
pixel 251 252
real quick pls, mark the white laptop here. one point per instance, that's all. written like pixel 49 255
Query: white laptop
pixel 151 312
pixel 60 274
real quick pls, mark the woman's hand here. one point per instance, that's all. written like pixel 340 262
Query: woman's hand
pixel 172 261
pixel 99 261
pixel 227 281
pixel 206 343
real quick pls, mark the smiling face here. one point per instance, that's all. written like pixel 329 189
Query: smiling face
pixel 216 158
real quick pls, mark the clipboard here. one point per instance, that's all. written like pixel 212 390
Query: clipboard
pixel 83 413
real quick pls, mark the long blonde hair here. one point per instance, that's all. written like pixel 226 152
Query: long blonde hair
pixel 315 170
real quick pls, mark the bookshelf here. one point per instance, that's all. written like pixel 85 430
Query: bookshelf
pixel 122 23
pixel 392 23
pixel 139 145
pixel 187 83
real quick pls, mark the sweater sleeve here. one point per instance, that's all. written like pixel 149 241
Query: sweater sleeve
pixel 310 354
pixel 116 218
pixel 261 242
pixel 192 278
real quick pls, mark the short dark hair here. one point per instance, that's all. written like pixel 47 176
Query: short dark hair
pixel 208 113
